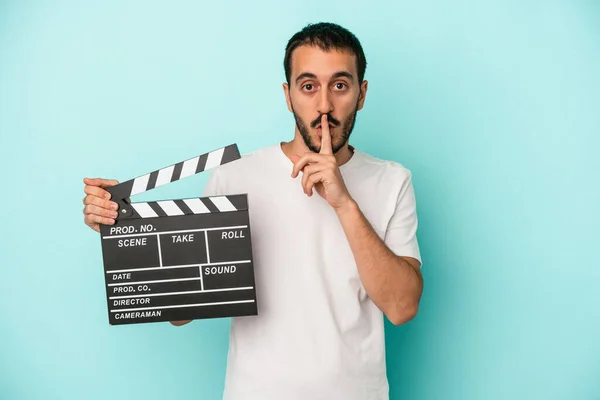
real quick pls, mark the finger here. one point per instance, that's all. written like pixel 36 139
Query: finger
pixel 96 191
pixel 304 160
pixel 97 219
pixel 308 171
pixel 299 166
pixel 103 183
pixel 325 136
pixel 91 209
pixel 312 180
pixel 107 204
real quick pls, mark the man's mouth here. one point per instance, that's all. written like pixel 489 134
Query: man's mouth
pixel 330 127
pixel 332 122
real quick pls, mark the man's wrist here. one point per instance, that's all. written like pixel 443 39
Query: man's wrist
pixel 349 207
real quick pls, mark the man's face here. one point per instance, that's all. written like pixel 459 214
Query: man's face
pixel 324 83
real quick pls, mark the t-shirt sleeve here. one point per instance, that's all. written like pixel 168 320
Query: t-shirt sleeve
pixel 213 185
pixel 401 233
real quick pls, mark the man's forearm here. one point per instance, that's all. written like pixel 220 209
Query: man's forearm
pixel 391 282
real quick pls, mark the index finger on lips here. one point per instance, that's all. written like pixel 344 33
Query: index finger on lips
pixel 325 136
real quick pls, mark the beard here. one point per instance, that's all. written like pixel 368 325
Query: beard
pixel 336 145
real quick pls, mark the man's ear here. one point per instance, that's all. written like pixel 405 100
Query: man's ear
pixel 286 91
pixel 363 94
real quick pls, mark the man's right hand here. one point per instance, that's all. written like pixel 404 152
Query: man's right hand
pixel 98 208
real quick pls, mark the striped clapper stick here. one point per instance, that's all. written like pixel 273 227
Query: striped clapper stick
pixel 174 260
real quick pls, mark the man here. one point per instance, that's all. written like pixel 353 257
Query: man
pixel 327 266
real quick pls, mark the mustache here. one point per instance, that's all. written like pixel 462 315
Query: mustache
pixel 330 119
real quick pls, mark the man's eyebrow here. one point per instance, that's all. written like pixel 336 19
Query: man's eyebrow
pixel 343 74
pixel 305 75
pixel 340 74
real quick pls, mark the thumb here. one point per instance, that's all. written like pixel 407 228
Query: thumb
pixel 103 183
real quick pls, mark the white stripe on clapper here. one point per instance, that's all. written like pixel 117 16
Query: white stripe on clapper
pixel 220 228
pixel 189 167
pixel 144 210
pixel 186 292
pixel 170 207
pixel 223 203
pixel 214 158
pixel 196 206
pixel 164 176
pixel 185 305
pixel 159 250
pixel 139 184
pixel 156 281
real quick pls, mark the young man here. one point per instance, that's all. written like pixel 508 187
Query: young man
pixel 327 266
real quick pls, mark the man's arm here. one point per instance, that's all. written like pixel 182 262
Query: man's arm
pixel 392 282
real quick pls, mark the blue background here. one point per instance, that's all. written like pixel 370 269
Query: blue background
pixel 494 106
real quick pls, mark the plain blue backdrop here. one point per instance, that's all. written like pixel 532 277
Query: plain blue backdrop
pixel 494 107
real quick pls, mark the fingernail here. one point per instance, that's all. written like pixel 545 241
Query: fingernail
pixel 114 206
pixel 107 195
pixel 113 214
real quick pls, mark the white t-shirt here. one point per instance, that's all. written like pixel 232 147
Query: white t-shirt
pixel 317 334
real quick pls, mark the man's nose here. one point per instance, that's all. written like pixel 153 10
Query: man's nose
pixel 325 105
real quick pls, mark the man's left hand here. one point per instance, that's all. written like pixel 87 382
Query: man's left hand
pixel 320 170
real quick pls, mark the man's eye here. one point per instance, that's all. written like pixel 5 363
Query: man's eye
pixel 340 86
pixel 308 87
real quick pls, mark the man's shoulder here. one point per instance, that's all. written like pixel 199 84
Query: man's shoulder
pixel 380 166
pixel 248 161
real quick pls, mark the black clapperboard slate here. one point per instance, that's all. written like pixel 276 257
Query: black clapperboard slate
pixel 178 259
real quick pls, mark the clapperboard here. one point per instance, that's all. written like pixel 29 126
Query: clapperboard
pixel 178 259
